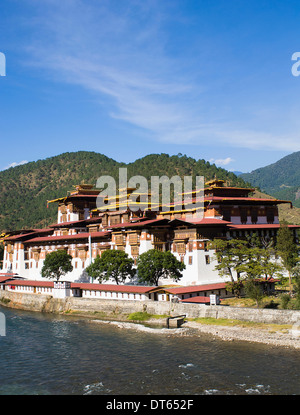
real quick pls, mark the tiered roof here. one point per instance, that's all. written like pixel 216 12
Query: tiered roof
pixel 214 192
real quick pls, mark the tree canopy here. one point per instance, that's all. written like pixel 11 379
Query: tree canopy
pixel 286 247
pixel 112 264
pixel 57 264
pixel 154 265
pixel 245 260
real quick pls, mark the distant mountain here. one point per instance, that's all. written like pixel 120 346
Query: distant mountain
pixel 238 173
pixel 25 189
pixel 280 179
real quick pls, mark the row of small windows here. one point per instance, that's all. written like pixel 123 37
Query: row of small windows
pixel 29 265
pixel 109 294
pixel 270 215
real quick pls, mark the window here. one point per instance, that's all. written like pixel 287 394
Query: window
pixel 134 250
pixel 190 260
pixel 207 259
pixel 226 215
pixel 180 248
pixel 254 215
pixel 243 215
pixel 270 215
pixel 115 219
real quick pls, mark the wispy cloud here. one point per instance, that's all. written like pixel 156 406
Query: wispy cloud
pixel 14 164
pixel 221 162
pixel 120 52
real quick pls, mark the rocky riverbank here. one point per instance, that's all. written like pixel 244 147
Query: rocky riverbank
pixel 270 331
pixel 276 338
pixel 285 338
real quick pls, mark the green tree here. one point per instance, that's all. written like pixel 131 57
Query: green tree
pixel 287 250
pixel 259 263
pixel 57 264
pixel 231 255
pixel 243 261
pixel 296 275
pixel 112 264
pixel 153 265
pixel 253 290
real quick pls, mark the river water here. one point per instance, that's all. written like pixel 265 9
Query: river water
pixel 45 354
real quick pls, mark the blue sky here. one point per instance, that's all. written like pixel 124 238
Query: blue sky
pixel 126 78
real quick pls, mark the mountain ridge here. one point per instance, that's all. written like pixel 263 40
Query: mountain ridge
pixel 280 179
pixel 25 189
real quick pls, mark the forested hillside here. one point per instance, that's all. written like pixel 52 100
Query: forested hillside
pixel 280 179
pixel 24 190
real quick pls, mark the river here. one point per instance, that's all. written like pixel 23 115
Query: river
pixel 46 354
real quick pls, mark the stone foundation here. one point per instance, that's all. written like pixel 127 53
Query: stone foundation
pixel 119 308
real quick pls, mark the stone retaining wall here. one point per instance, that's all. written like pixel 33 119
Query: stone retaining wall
pixel 115 308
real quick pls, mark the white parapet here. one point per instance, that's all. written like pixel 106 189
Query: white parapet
pixel 61 289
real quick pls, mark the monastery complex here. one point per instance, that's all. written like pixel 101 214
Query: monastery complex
pixel 85 231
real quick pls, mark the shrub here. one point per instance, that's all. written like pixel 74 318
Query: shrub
pixel 285 301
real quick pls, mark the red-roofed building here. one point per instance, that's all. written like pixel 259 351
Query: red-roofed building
pixel 85 290
pixel 189 293
pixel 197 300
pixel 85 231
pixel 199 294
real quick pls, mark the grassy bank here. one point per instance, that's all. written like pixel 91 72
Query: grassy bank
pixel 281 301
pixel 243 324
pixel 144 317
pixel 136 316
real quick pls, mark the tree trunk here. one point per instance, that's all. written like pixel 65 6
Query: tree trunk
pixel 230 272
pixel 290 282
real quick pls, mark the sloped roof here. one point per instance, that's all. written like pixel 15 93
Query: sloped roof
pixel 86 286
pixel 145 223
pixel 31 283
pixel 198 300
pixel 261 226
pixel 195 288
pixel 113 287
pixel 82 235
